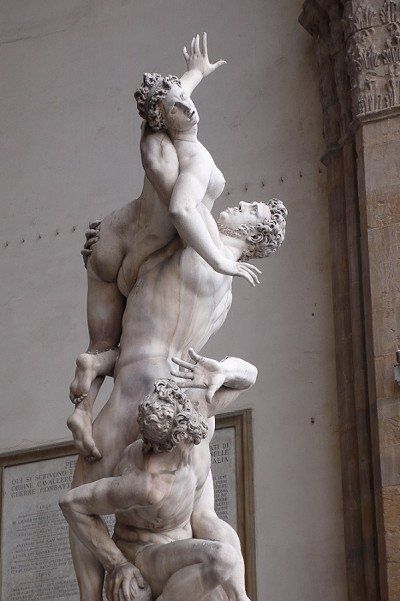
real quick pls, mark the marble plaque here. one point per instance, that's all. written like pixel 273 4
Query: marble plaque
pixel 223 466
pixel 36 564
pixel 35 557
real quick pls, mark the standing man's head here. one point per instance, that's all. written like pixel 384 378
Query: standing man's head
pixel 261 226
pixel 167 417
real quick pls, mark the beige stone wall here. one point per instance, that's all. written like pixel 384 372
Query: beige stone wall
pixel 69 142
pixel 378 144
pixel 358 60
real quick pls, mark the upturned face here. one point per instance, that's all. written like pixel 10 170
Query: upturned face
pixel 249 213
pixel 179 111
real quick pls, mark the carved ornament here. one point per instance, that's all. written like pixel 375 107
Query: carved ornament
pixel 372 35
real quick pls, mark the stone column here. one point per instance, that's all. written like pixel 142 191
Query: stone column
pixel 358 55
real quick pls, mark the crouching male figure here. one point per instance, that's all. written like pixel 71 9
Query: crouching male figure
pixel 168 543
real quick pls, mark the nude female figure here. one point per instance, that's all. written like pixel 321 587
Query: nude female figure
pixel 180 176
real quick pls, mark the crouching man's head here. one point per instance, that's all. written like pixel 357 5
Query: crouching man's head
pixel 167 417
pixel 259 226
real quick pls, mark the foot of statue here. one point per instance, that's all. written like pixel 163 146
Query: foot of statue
pixel 80 424
pixel 88 367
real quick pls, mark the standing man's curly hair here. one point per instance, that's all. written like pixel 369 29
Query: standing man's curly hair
pixel 167 417
pixel 267 236
pixel 263 238
pixel 153 89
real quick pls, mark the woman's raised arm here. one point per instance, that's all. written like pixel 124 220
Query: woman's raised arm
pixel 188 193
pixel 198 65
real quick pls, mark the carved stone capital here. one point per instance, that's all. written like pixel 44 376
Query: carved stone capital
pixel 358 53
pixel 372 35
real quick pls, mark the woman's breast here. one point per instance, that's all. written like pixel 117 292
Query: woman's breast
pixel 216 184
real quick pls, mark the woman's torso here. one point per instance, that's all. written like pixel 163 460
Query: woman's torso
pixel 143 227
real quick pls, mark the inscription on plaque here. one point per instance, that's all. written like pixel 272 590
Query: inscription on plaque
pixel 36 560
pixel 36 564
pixel 223 466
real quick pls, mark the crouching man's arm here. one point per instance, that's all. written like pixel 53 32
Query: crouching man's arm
pixel 83 506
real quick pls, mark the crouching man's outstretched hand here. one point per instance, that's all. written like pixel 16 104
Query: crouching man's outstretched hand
pixel 202 373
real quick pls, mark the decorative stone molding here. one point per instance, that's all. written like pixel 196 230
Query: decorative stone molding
pixel 358 53
pixel 372 34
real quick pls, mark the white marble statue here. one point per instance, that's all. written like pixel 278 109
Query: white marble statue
pixel 160 492
pixel 159 282
pixel 181 178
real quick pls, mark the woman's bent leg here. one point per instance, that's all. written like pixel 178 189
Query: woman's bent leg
pixel 105 307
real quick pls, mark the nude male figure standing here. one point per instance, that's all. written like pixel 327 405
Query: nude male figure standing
pixel 177 302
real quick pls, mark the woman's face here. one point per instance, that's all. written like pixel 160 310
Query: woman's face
pixel 179 111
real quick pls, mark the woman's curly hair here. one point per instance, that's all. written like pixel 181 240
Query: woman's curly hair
pixel 161 432
pixel 153 89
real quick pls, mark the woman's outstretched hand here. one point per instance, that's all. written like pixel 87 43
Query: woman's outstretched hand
pixel 243 270
pixel 197 58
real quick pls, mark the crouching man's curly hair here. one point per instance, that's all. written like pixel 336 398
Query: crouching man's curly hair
pixel 167 417
pixel 153 89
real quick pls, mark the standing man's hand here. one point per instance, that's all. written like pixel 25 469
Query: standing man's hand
pixel 92 236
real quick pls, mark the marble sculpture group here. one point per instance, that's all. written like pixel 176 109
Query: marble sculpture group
pixel 160 273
